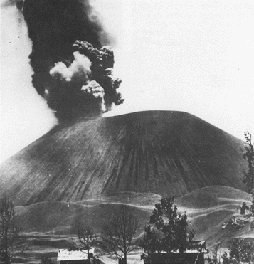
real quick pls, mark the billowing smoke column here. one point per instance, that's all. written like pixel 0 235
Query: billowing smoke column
pixel 72 69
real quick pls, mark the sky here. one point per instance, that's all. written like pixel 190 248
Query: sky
pixel 193 56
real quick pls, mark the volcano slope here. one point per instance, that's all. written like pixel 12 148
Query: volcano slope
pixel 162 152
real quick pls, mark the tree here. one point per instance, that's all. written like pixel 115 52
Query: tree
pixel 152 240
pixel 167 229
pixel 119 233
pixel 8 229
pixel 252 204
pixel 46 260
pixel 87 238
pixel 249 156
pixel 242 250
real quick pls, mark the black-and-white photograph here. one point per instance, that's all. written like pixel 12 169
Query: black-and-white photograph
pixel 127 132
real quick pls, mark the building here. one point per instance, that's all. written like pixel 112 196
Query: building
pixel 77 256
pixel 175 258
pixel 194 255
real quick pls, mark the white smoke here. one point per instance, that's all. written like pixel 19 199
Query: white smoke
pixel 78 70
pixel 94 88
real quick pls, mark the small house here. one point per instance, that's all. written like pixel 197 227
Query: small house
pixel 175 258
pixel 77 256
pixel 194 255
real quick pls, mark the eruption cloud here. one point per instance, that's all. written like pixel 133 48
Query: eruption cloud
pixel 79 68
pixel 73 70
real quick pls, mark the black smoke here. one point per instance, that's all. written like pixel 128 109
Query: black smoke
pixel 71 63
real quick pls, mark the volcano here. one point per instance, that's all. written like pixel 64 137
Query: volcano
pixel 159 152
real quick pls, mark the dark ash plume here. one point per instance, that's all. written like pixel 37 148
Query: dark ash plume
pixel 72 68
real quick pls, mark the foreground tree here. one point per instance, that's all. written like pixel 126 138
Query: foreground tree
pixel 119 233
pixel 8 229
pixel 252 204
pixel 242 250
pixel 87 238
pixel 46 260
pixel 167 229
pixel 249 156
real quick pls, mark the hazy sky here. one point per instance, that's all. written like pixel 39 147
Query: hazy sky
pixel 194 56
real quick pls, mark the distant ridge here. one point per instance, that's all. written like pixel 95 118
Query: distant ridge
pixel 211 196
pixel 164 152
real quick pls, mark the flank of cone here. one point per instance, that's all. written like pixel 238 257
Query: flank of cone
pixel 161 152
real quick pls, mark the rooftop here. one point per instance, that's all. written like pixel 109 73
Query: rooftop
pixel 78 254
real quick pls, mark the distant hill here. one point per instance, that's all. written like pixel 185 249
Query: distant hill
pixel 213 196
pixel 209 207
pixel 161 152
pixel 62 218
